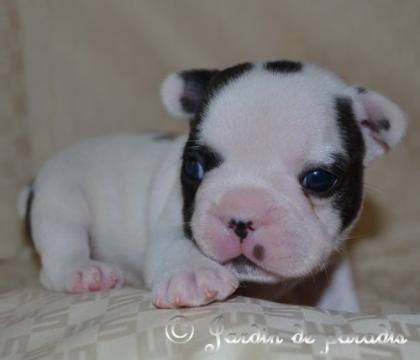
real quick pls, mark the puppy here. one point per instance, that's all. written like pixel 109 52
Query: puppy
pixel 264 188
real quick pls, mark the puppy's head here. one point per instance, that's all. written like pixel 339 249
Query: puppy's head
pixel 272 172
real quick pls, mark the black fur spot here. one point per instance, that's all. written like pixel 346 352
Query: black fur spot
pixel 348 197
pixel 284 66
pixel 258 252
pixel 378 125
pixel 27 218
pixel 195 87
pixel 361 90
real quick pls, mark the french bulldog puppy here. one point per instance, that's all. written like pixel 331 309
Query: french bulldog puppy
pixel 264 188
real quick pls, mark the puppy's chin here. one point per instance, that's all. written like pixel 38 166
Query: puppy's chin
pixel 246 270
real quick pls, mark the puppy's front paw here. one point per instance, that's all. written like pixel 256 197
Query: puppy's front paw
pixel 95 276
pixel 194 287
pixel 92 276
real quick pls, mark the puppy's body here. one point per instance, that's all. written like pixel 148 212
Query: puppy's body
pixel 113 188
pixel 264 189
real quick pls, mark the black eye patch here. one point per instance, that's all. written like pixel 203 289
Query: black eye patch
pixel 197 160
pixel 348 198
pixel 340 181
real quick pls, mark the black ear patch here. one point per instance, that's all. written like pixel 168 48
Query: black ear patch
pixel 284 66
pixel 227 75
pixel 186 93
pixel 348 199
pixel 377 126
pixel 195 88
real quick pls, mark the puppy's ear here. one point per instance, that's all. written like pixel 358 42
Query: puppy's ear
pixel 182 92
pixel 382 122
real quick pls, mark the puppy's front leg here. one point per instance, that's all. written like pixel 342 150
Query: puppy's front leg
pixel 181 276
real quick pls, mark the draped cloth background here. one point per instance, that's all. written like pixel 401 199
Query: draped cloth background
pixel 73 69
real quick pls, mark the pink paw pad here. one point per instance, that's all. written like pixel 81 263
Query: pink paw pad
pixel 95 278
pixel 77 284
pixel 194 288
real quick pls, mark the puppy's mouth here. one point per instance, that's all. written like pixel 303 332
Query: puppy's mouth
pixel 242 264
pixel 246 270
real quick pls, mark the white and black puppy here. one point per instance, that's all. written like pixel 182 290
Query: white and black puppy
pixel 265 188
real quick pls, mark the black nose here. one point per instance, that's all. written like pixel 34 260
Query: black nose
pixel 240 227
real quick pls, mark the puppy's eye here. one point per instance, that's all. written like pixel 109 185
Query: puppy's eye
pixel 319 181
pixel 194 169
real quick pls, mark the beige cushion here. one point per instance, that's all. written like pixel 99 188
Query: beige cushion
pixel 122 324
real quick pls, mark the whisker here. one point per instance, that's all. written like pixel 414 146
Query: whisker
pixel 183 223
pixel 360 236
pixel 325 271
pixel 373 188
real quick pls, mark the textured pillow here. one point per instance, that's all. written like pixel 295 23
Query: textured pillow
pixel 122 324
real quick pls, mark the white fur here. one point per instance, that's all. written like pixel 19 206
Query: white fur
pixel 171 91
pixel 97 189
pixel 339 294
pixel 109 210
